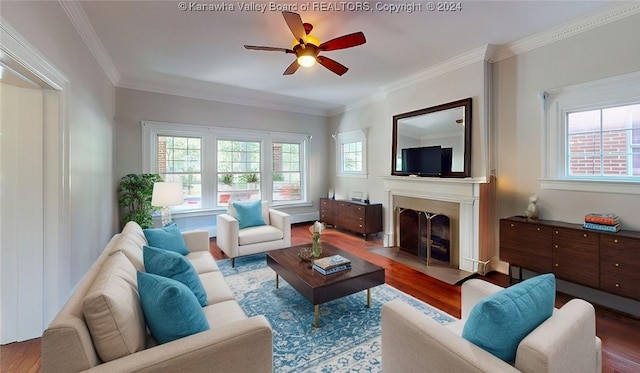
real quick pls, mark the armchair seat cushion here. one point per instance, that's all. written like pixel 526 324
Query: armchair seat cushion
pixel 263 233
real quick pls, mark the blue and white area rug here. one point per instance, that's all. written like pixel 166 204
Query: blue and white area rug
pixel 348 339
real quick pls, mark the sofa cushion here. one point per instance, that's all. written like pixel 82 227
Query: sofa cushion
pixel 263 233
pixel 216 287
pixel 112 310
pixel 168 238
pixel 130 247
pixel 170 308
pixel 170 264
pixel 202 261
pixel 500 321
pixel 249 214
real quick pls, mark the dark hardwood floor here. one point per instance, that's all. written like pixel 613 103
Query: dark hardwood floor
pixel 620 334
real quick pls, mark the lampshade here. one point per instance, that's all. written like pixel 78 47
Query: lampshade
pixel 167 194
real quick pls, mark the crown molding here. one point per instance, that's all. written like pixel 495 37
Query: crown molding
pixel 482 53
pixel 228 98
pixel 567 30
pixel 81 22
pixel 358 104
pixel 18 48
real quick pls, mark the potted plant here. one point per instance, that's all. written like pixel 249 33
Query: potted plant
pixel 226 180
pixel 134 196
pixel 251 180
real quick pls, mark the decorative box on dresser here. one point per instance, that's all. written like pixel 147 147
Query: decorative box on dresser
pixel 601 260
pixel 363 218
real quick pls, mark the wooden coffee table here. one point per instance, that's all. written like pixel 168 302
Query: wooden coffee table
pixel 318 288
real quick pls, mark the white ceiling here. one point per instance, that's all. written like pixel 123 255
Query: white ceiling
pixel 154 45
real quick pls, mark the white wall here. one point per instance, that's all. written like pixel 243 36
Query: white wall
pixel 134 106
pixel 88 114
pixel 609 50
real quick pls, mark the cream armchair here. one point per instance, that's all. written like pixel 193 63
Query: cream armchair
pixel 564 343
pixel 235 242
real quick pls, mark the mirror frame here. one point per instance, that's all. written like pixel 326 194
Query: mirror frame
pixel 466 103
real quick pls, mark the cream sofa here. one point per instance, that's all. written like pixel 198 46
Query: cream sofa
pixel 235 242
pixel 564 343
pixel 234 342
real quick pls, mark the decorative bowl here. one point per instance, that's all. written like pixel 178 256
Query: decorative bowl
pixel 306 253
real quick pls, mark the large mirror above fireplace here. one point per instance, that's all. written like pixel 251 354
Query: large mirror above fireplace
pixel 434 141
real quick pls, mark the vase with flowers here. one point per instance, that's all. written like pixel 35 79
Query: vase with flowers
pixel 316 229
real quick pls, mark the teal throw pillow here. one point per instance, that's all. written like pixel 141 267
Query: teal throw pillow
pixel 170 264
pixel 249 214
pixel 168 238
pixel 170 308
pixel 499 322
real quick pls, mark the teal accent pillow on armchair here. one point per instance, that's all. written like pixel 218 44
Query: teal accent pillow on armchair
pixel 170 308
pixel 249 214
pixel 170 264
pixel 167 237
pixel 499 322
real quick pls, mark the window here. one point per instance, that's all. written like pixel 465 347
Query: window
pixel 179 160
pixel 604 142
pixel 352 157
pixel 351 153
pixel 238 171
pixel 216 165
pixel 287 171
pixel 592 136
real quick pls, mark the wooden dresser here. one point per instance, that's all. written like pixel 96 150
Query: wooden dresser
pixel 357 217
pixel 606 261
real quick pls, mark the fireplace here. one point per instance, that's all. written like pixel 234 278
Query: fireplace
pixel 426 235
pixel 466 203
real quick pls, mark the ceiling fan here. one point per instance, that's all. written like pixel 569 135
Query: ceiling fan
pixel 307 48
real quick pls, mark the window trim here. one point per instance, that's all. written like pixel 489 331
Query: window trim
pixel 613 91
pixel 210 136
pixel 346 138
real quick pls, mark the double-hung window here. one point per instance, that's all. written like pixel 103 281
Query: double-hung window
pixel 179 159
pixel 218 165
pixel 604 142
pixel 351 153
pixel 239 170
pixel 287 176
pixel 592 136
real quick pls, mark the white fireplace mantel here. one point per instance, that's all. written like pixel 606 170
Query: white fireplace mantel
pixel 465 192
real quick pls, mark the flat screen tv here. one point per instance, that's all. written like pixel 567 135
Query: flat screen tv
pixel 423 161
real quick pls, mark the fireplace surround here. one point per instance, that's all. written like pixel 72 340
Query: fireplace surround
pixel 467 202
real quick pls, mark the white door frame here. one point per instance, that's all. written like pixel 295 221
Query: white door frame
pixel 18 54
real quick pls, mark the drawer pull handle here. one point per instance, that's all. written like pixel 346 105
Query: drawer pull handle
pixel 615 240
pixel 360 225
pixel 557 265
pixel 557 232
pixel 584 235
pixel 617 265
pixel 511 225
pixel 556 246
pixel 617 285
pixel 538 229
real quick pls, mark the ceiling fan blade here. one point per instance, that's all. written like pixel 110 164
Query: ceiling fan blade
pixel 269 49
pixel 295 25
pixel 342 42
pixel 332 65
pixel 292 68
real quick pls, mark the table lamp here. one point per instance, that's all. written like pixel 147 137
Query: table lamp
pixel 166 195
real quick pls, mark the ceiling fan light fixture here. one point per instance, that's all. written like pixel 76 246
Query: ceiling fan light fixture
pixel 306 61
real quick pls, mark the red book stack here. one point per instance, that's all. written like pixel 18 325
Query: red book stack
pixel 602 222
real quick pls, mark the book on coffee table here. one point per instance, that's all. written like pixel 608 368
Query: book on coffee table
pixel 331 262
pixel 333 270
